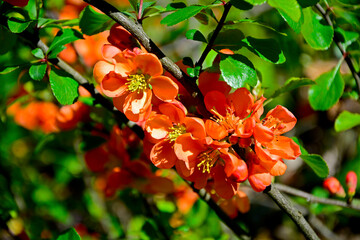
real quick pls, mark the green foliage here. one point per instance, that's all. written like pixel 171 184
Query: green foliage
pixel 37 71
pixel 195 35
pixel 7 40
pixel 241 4
pixel 317 34
pixel 181 15
pixel 287 8
pixel 291 84
pixel 63 37
pixel 237 71
pixel 18 25
pixel 63 86
pixel 6 70
pixel 346 120
pixel 92 22
pixel 228 38
pixel 317 164
pixel 307 3
pixel 327 91
pixel 71 234
pixel 38 53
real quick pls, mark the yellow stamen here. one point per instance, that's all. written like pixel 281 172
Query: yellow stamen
pixel 176 131
pixel 208 159
pixel 137 83
pixel 229 121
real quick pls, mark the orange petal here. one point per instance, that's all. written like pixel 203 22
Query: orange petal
pixel 262 133
pixel 164 88
pixel 242 202
pixel 96 158
pixel 137 106
pixel 158 126
pixel 175 114
pixel 245 128
pixel 119 102
pixel 160 185
pixel 102 68
pixel 216 100
pixel 209 81
pixel 284 147
pixel 162 154
pixel 242 100
pixel 215 130
pixel 109 51
pixel 282 118
pixel 195 126
pixel 259 178
pixel 113 85
pixel 148 64
pixel 222 185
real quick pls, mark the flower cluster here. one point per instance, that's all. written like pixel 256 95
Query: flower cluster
pixel 334 187
pixel 217 154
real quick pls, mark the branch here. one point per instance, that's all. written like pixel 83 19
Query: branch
pixel 337 41
pixel 217 30
pixel 290 210
pixel 313 199
pixel 138 32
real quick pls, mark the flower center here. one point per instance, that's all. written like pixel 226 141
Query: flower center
pixel 176 131
pixel 229 121
pixel 137 83
pixel 208 159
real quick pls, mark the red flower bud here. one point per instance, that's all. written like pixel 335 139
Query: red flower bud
pixel 351 182
pixel 240 173
pixel 334 187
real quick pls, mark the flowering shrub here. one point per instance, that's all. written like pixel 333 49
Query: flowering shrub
pixel 106 136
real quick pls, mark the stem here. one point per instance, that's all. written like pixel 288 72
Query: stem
pixel 313 199
pixel 345 54
pixel 217 30
pixel 140 10
pixel 291 211
pixel 137 31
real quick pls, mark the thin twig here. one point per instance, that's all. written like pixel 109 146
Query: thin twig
pixel 137 31
pixel 217 30
pixel 313 199
pixel 291 211
pixel 337 41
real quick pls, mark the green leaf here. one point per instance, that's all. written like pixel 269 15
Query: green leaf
pixel 346 120
pixel 256 2
pixel 92 22
pixel 18 25
pixel 70 234
pixel 316 32
pixel 38 53
pixel 292 84
pixel 65 89
pixel 134 4
pixel 255 22
pixel 307 3
pixel 346 37
pixel 65 36
pixel 175 6
pixel 241 4
pixel 193 72
pixel 290 8
pixel 317 164
pixel 195 35
pixel 6 70
pixel 349 2
pixel 181 15
pixel 228 38
pixel 302 149
pixel 266 49
pixel 327 91
pixel 37 71
pixel 56 51
pixel 237 71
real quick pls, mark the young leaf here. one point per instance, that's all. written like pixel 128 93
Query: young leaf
pixel 65 36
pixel 195 35
pixel 65 89
pixel 18 25
pixel 38 53
pixel 237 71
pixel 327 91
pixel 316 34
pixel 346 120
pixel 71 234
pixel 92 22
pixel 37 71
pixel 266 49
pixel 181 15
pixel 6 70
pixel 193 72
pixel 292 84
pixel 317 164
pixel 241 4
pixel 56 51
pixel 290 8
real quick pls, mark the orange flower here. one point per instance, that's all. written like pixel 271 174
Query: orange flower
pixel 334 187
pixel 132 81
pixel 163 130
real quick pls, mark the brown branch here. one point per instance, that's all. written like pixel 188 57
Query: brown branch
pixel 217 30
pixel 291 211
pixel 337 41
pixel 313 199
pixel 138 32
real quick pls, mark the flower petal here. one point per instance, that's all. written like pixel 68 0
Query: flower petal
pixel 195 126
pixel 102 68
pixel 137 106
pixel 216 100
pixel 158 126
pixel 284 147
pixel 175 114
pixel 148 64
pixel 263 134
pixel 281 118
pixel 242 101
pixel 215 130
pixel 162 154
pixel 113 85
pixel 164 88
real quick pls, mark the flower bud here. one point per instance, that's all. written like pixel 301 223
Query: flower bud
pixel 240 173
pixel 334 187
pixel 351 182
